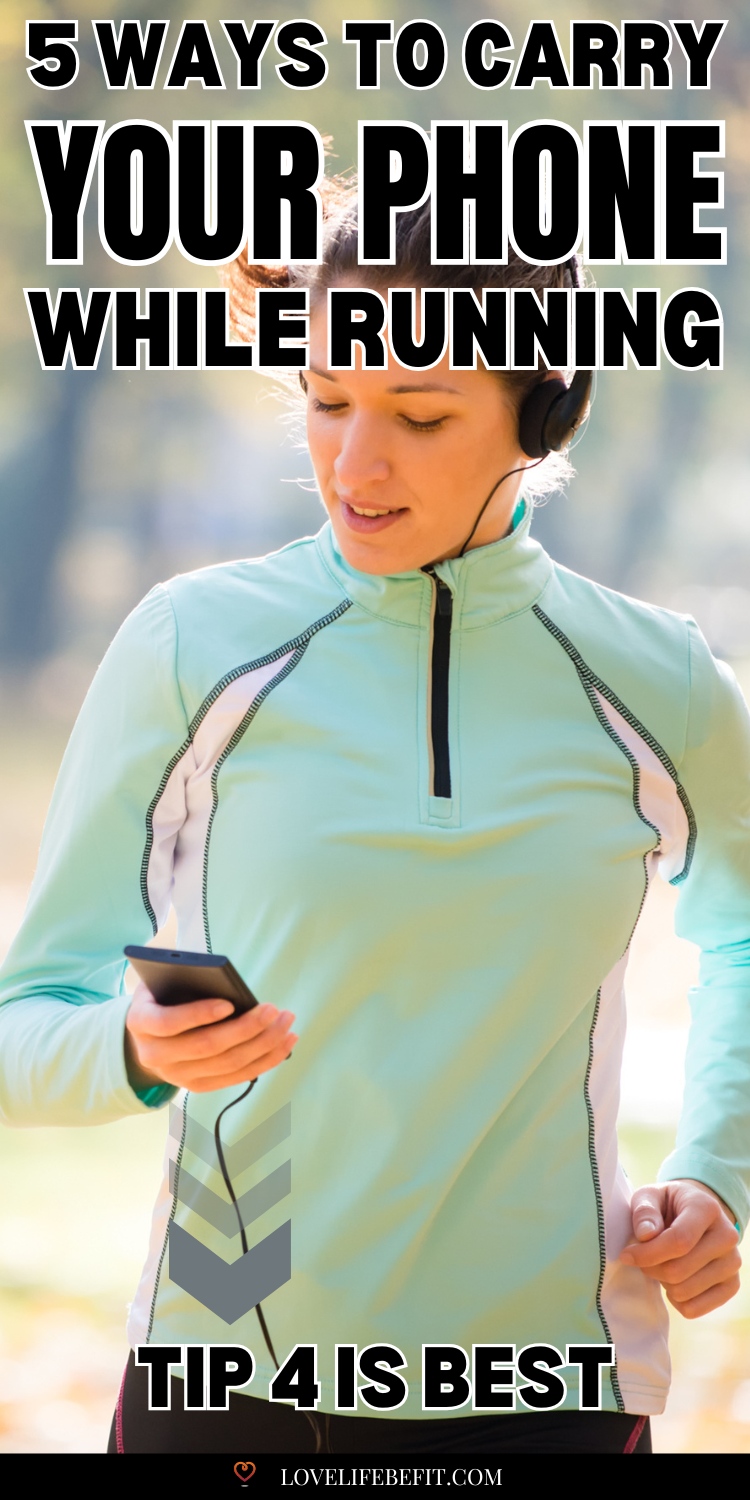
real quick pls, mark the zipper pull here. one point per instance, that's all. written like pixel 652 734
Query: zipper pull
pixel 444 597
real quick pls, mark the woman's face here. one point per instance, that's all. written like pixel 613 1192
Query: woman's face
pixel 405 459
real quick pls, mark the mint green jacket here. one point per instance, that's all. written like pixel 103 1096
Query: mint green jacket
pixel 423 813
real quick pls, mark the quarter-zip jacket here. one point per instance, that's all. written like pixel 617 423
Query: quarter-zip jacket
pixel 429 833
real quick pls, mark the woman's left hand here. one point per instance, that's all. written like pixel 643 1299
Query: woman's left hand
pixel 684 1237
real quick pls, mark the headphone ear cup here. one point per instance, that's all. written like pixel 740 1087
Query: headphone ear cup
pixel 532 417
pixel 551 413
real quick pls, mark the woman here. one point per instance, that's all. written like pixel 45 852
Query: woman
pixel 413 778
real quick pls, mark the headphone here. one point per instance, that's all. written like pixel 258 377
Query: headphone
pixel 553 411
pixel 550 415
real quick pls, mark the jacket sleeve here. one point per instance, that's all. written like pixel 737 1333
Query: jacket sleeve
pixel 62 995
pixel 713 1140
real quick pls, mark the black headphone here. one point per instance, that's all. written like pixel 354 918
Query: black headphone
pixel 550 415
pixel 553 411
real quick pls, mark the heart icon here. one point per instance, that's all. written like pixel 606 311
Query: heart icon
pixel 244 1471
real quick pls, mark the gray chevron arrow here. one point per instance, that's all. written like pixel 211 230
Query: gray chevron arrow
pixel 217 1211
pixel 249 1148
pixel 230 1290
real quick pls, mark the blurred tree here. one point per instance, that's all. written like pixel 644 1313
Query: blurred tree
pixel 39 484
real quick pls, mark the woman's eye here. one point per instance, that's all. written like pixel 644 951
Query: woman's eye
pixel 431 426
pixel 318 405
pixel 332 407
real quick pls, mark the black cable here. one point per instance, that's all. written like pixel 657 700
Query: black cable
pixel 575 277
pixel 312 1419
pixel 225 1173
pixel 520 470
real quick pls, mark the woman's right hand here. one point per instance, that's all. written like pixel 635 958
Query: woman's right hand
pixel 183 1045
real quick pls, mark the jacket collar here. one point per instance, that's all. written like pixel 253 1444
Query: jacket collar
pixel 488 583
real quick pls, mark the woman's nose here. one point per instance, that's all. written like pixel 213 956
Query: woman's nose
pixel 360 459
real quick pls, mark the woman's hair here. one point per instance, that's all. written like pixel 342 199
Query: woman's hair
pixel 413 267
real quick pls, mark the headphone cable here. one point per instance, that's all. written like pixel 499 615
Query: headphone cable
pixel 520 470
pixel 311 1417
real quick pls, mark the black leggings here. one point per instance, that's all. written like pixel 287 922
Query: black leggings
pixel 267 1427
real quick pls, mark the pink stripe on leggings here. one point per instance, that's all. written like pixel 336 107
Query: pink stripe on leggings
pixel 118 1414
pixel 631 1442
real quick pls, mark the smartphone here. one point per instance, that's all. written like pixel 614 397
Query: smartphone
pixel 176 978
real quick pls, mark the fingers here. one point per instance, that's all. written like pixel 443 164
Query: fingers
pixel 251 1070
pixel 715 1296
pixel 696 1257
pixel 682 1290
pixel 647 1209
pixel 683 1234
pixel 182 1045
pixel 245 1060
pixel 196 1056
pixel 148 1018
pixel 714 1246
pixel 210 1041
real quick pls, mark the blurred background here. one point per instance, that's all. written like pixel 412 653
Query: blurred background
pixel 111 481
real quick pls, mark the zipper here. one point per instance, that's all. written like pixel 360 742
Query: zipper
pixel 440 661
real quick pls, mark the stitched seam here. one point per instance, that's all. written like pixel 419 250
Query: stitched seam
pixel 298 646
pixel 145 860
pixel 599 1204
pixel 245 721
pixel 148 847
pixel 589 681
pixel 196 721
pixel 264 661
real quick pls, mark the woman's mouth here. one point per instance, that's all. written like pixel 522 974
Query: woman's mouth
pixel 363 518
